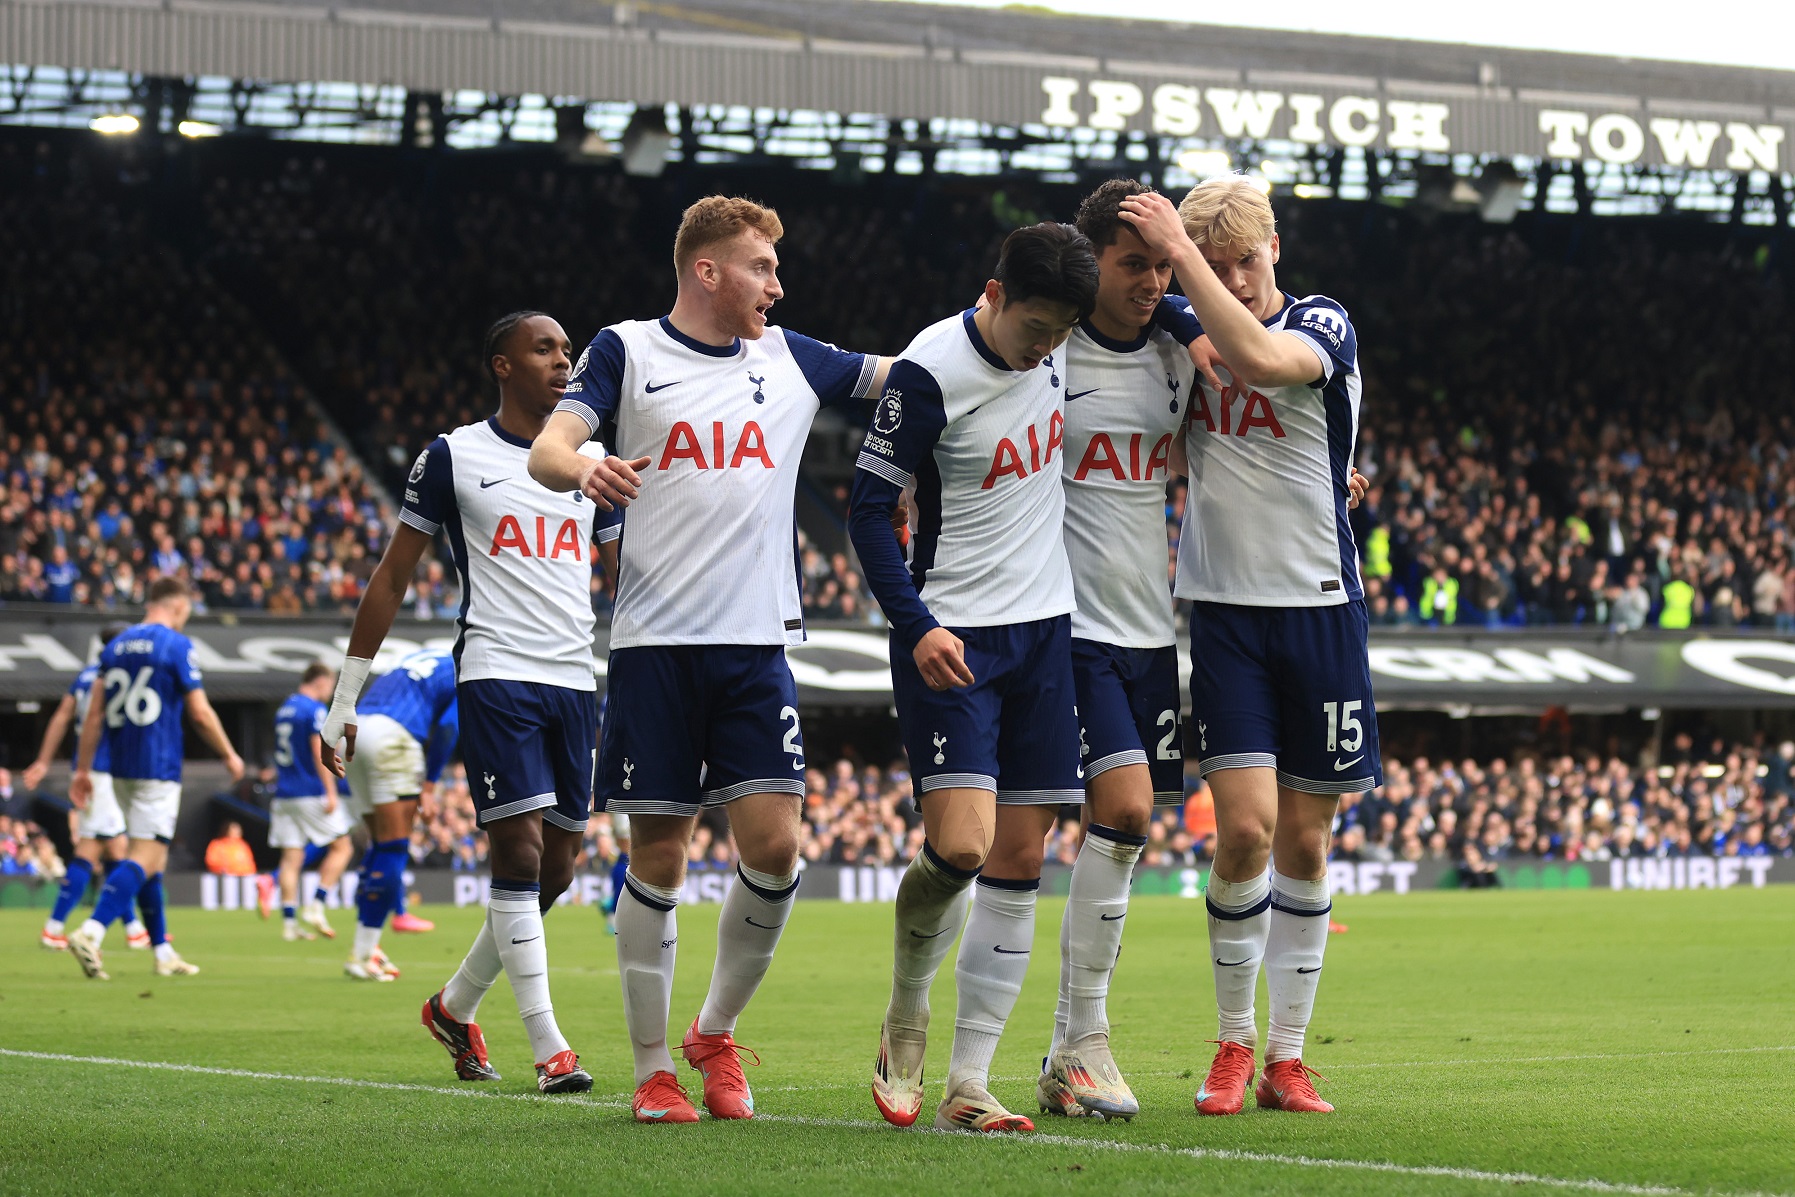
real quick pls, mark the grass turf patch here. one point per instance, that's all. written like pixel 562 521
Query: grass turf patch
pixel 1640 1040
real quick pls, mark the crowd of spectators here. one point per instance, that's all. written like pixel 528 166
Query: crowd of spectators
pixel 1560 425
pixel 1559 431
pixel 146 428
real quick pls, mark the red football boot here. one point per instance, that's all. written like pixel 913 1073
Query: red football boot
pixel 1224 1090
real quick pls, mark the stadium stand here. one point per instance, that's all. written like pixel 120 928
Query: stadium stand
pixel 146 427
pixel 1536 457
pixel 1530 464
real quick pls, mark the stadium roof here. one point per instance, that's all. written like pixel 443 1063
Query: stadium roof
pixel 1005 67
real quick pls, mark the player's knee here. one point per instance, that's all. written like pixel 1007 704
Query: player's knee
pixel 1132 819
pixel 517 861
pixel 658 862
pixel 1304 852
pixel 554 882
pixel 1016 862
pixel 777 854
pixel 964 834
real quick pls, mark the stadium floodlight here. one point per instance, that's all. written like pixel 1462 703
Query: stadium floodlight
pixel 1500 191
pixel 1206 164
pixel 645 143
pixel 114 124
pixel 1313 191
pixel 198 129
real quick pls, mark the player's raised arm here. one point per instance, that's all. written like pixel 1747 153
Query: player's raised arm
pixel 53 734
pixel 907 419
pixel 1256 354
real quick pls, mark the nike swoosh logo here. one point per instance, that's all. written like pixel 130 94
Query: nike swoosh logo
pixel 651 388
pixel 1234 963
pixel 1009 951
pixel 1306 971
pixel 750 921
pixel 938 934
pixel 1339 765
pixel 1071 395
pixel 533 937
pixel 485 485
pixel 1110 918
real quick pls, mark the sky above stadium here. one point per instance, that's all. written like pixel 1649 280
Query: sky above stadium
pixel 1758 33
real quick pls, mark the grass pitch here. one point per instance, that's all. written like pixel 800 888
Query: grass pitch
pixel 1473 1042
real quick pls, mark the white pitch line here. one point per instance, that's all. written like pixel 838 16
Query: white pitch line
pixel 1223 1155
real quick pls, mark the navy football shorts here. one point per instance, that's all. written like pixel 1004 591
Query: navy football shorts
pixel 1128 713
pixel 529 746
pixel 1013 731
pixel 1288 688
pixel 691 725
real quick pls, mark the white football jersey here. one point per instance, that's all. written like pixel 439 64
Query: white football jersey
pixel 1125 405
pixel 1265 524
pixel 709 548
pixel 980 443
pixel 524 553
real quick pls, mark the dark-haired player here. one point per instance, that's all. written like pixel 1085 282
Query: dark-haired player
pixel 306 814
pixel 99 826
pixel 1125 405
pixel 971 418
pixel 147 679
pixel 701 709
pixel 526 687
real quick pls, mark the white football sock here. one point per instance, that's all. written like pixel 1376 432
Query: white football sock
pixel 479 970
pixel 1239 920
pixel 754 915
pixel 1293 952
pixel 647 945
pixel 516 918
pixel 366 940
pixel 165 952
pixel 931 906
pixel 993 960
pixel 1062 1007
pixel 53 927
pixel 136 927
pixel 1095 911
pixel 94 930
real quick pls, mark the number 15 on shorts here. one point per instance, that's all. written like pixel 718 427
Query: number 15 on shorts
pixel 1345 732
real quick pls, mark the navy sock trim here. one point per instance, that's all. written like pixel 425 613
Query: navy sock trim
pixel 936 859
pixel 517 887
pixel 1020 887
pixel 392 846
pixel 770 895
pixel 1114 836
pixel 1235 916
pixel 648 900
pixel 1299 911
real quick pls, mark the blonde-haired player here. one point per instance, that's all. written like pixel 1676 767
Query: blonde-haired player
pixel 1280 682
pixel 714 406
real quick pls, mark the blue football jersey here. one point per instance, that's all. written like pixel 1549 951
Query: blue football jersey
pixel 144 676
pixel 415 694
pixel 298 720
pixel 81 689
